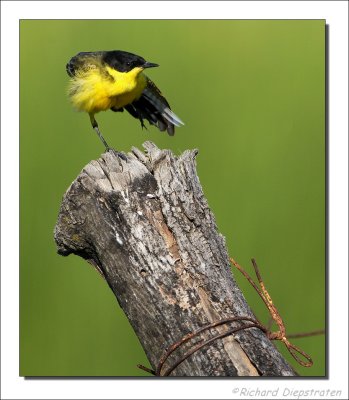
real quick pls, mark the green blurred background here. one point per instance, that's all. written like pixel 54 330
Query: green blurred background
pixel 252 95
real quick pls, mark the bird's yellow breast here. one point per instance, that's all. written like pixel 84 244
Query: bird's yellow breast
pixel 99 89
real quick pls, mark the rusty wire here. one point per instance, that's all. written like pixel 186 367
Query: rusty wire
pixel 202 343
pixel 275 317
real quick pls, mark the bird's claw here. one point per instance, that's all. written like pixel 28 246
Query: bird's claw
pixel 117 153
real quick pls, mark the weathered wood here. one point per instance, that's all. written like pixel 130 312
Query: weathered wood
pixel 146 226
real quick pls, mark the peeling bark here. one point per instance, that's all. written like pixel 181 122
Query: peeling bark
pixel 147 228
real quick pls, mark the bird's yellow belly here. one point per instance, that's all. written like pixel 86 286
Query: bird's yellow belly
pixel 93 92
pixel 122 100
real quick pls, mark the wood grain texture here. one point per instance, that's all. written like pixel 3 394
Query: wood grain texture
pixel 145 224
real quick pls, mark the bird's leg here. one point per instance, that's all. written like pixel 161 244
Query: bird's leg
pixel 95 127
pixel 142 123
pixel 107 148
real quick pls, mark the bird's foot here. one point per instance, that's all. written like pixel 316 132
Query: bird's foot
pixel 117 153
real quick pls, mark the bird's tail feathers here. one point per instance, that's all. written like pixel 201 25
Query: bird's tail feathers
pixel 172 117
pixel 162 107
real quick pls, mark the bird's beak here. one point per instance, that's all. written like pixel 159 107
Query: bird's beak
pixel 149 65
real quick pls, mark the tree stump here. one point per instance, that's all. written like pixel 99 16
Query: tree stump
pixel 145 225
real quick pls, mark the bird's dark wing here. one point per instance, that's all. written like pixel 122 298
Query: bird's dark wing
pixel 153 107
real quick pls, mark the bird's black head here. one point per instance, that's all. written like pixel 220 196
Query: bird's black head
pixel 123 61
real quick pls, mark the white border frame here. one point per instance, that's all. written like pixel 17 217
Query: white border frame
pixel 335 13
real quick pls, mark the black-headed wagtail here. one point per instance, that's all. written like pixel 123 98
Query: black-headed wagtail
pixel 114 80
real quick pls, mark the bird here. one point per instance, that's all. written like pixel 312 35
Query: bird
pixel 114 80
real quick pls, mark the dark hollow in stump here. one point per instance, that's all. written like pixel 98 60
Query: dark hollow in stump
pixel 146 226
